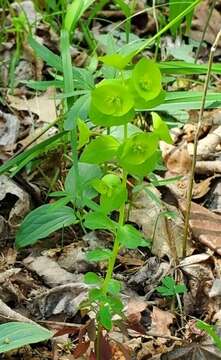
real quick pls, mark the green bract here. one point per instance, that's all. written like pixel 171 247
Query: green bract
pixel 161 129
pixel 112 97
pixel 98 118
pixel 146 79
pixel 145 168
pixel 116 60
pixel 137 149
pixel 113 193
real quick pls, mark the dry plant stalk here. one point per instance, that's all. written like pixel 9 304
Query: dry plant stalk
pixel 199 125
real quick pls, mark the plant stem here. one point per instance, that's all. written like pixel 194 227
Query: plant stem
pixel 116 247
pixel 190 187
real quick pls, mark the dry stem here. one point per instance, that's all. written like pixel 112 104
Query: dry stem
pixel 200 121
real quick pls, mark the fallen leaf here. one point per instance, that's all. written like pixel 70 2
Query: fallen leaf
pixel 21 206
pixel 63 299
pixel 205 225
pixel 146 213
pixel 44 105
pixel 198 24
pixel 161 321
pixel 49 270
pixel 9 129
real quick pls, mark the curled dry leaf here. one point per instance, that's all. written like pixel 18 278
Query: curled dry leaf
pixel 9 129
pixel 207 146
pixel 49 270
pixel 146 213
pixel 21 206
pixel 64 300
pixel 205 225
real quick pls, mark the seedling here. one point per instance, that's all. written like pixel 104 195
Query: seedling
pixel 170 288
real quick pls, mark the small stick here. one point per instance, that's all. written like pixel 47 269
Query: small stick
pixel 199 125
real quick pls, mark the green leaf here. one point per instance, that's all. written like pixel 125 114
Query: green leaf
pixel 44 85
pixel 187 100
pixel 137 149
pixel 83 78
pixel 21 160
pixel 44 53
pixel 112 97
pixel 78 110
pixel 97 220
pixel 114 193
pixel 100 119
pixel 66 62
pixel 165 291
pixel 84 133
pixel 170 288
pixel 130 238
pixel 14 335
pixel 102 149
pixel 43 221
pixel 74 13
pixel 96 295
pixel 161 129
pixel 114 287
pixel 91 278
pixel 118 61
pixel 87 172
pixel 176 8
pixel 98 255
pixel 116 304
pixel 145 168
pixel 180 289
pixel 211 331
pixel 169 282
pixel 104 317
pixel 146 79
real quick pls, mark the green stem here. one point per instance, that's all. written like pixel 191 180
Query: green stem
pixel 116 247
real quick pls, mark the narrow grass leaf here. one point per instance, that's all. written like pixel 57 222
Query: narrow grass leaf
pixel 44 53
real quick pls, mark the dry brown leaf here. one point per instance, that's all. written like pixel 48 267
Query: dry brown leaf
pixel 205 225
pixel 161 321
pixel 49 270
pixel 178 161
pixel 198 24
pixel 44 105
pixel 167 233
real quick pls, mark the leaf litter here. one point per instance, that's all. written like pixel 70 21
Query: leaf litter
pixel 47 285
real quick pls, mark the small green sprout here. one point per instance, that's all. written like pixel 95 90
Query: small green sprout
pixel 170 288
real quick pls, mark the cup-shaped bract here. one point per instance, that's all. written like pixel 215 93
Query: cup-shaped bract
pixel 112 97
pixel 100 119
pixel 137 149
pixel 161 129
pixel 146 79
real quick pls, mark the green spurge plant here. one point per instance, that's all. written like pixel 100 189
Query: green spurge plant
pixel 113 106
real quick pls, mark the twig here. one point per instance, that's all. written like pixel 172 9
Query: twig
pixel 205 29
pixel 152 334
pixel 200 121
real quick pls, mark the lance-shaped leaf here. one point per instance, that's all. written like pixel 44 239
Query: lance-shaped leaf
pixel 43 221
pixel 17 334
